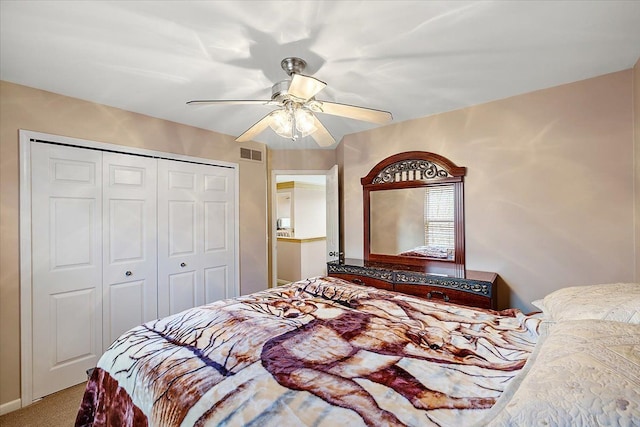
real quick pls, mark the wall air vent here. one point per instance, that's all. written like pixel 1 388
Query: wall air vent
pixel 248 154
pixel 245 153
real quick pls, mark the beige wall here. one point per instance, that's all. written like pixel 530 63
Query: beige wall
pixel 549 186
pixel 298 258
pixel 636 157
pixel 301 159
pixel 30 109
pixel 309 211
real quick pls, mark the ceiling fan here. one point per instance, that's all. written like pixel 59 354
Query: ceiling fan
pixel 297 105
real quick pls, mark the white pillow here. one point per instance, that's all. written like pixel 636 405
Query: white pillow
pixel 582 373
pixel 616 301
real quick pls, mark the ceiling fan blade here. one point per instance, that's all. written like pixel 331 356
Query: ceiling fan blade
pixel 353 112
pixel 322 135
pixel 231 101
pixel 305 87
pixel 254 130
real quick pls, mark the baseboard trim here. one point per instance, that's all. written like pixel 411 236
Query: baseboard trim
pixel 14 405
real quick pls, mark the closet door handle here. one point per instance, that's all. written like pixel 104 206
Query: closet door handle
pixel 128 273
pixel 182 264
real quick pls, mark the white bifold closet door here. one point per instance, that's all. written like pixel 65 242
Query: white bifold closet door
pixel 66 194
pixel 196 223
pixel 119 240
pixel 130 264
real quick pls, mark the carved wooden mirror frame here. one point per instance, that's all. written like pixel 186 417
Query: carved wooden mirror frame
pixel 415 169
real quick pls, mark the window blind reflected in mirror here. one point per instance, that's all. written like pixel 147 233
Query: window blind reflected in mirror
pixel 439 219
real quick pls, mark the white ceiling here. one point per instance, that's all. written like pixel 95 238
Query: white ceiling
pixel 412 58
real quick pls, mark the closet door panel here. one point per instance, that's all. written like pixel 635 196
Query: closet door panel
pixel 184 287
pixel 126 308
pixel 180 228
pixel 72 338
pixel 183 291
pixel 196 226
pixel 66 202
pixel 213 278
pixel 215 226
pixel 130 245
pixel 218 195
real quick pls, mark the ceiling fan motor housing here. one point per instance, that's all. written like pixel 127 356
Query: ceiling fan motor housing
pixel 280 90
pixel 291 65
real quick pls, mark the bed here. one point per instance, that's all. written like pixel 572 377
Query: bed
pixel 326 352
pixel 430 251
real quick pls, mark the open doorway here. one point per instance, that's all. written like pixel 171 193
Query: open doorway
pixel 304 224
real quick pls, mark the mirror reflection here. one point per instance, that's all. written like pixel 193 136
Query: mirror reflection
pixel 414 222
pixel 414 213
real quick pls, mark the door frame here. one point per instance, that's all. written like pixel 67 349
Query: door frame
pixel 273 215
pixel 26 139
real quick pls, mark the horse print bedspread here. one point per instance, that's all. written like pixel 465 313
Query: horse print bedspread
pixel 319 352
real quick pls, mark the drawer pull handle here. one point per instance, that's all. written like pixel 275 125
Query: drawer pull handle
pixel 128 273
pixel 183 265
pixel 445 297
pixel 358 281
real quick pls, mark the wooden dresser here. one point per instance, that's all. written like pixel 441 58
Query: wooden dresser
pixel 476 289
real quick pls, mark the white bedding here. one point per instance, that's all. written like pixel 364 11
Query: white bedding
pixel 582 373
pixel 614 301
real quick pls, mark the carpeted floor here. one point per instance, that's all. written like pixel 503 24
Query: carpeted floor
pixel 56 410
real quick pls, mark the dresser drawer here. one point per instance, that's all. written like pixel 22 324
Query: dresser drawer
pixel 441 294
pixel 364 280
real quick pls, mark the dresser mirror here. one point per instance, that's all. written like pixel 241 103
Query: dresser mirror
pixel 414 213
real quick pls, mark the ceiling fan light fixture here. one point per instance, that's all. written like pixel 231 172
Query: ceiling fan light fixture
pixel 282 123
pixel 293 122
pixel 305 121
